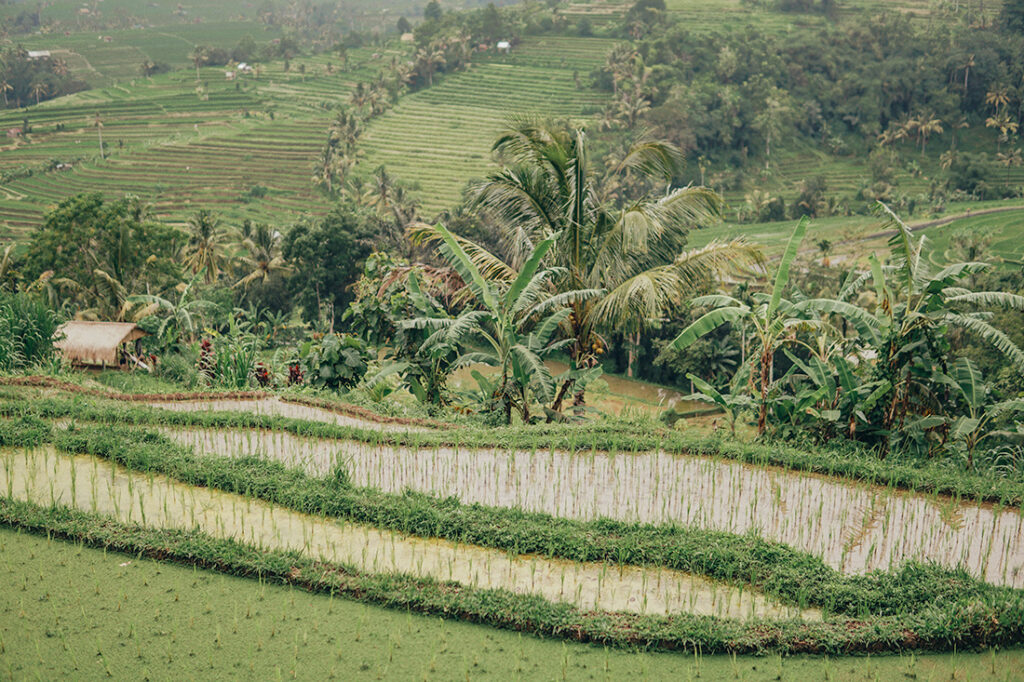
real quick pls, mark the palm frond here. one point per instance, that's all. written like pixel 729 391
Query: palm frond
pixel 989 299
pixel 652 158
pixel 990 334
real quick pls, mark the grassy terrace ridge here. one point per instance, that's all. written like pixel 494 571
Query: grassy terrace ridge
pixel 777 570
pixel 972 628
pixel 915 475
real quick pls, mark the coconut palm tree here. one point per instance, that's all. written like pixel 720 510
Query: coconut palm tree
pixel 928 125
pixel 1004 124
pixel 39 88
pixel 206 246
pixel 634 250
pixel 1009 159
pixel 264 259
pixel 429 60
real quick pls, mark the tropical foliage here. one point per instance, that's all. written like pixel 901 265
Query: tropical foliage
pixel 874 362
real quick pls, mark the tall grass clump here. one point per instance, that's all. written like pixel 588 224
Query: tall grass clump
pixel 27 329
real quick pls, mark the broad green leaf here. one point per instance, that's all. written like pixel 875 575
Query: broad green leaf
pixel 782 276
pixel 706 323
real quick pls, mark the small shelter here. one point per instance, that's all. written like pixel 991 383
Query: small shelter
pixel 504 46
pixel 38 54
pixel 408 38
pixel 99 344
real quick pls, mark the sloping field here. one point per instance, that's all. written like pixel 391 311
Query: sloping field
pixel 850 527
pixel 180 147
pixel 440 138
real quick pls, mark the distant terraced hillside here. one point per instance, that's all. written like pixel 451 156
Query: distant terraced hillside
pixel 244 149
pixel 440 138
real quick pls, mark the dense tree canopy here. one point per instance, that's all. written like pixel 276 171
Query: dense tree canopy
pixel 329 253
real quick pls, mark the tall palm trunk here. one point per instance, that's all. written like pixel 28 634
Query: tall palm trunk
pixel 766 369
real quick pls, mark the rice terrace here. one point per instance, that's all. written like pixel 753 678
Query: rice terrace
pixel 563 340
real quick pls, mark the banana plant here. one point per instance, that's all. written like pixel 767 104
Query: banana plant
pixel 981 416
pixel 731 403
pixel 839 398
pixel 915 306
pixel 513 326
pixel 773 319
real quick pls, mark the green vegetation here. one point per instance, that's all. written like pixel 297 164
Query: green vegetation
pixel 397 268
pixel 207 624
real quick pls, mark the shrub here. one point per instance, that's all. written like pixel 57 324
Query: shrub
pixel 337 361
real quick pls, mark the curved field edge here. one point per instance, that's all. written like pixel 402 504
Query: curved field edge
pixel 933 630
pixel 344 409
pixel 612 437
pixel 778 571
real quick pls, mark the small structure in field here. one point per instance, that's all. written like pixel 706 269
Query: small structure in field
pixel 408 38
pixel 34 55
pixel 504 46
pixel 100 344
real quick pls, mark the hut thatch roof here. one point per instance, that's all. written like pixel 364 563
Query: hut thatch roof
pixel 95 343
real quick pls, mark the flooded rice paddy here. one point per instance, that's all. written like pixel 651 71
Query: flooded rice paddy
pixel 95 485
pixel 852 527
pixel 276 407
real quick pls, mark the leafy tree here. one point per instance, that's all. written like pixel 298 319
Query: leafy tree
pixel 403 25
pixel 432 12
pixel 328 252
pixel 93 254
pixel 1012 15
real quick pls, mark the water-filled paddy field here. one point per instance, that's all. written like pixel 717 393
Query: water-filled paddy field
pixel 44 477
pixel 853 527
pixel 771 559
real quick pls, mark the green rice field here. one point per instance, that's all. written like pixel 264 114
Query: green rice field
pixel 158 617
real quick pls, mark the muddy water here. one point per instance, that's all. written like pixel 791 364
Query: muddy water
pixel 854 528
pixel 279 408
pixel 95 485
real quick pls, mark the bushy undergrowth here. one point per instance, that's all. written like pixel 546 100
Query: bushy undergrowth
pixel 780 571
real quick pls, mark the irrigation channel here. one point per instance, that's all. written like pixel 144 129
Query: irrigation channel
pixel 853 527
pixel 43 476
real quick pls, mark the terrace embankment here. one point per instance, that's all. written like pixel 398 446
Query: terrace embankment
pixel 43 476
pixel 853 527
pixel 275 406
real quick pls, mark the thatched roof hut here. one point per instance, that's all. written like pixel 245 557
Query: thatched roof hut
pixel 96 343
